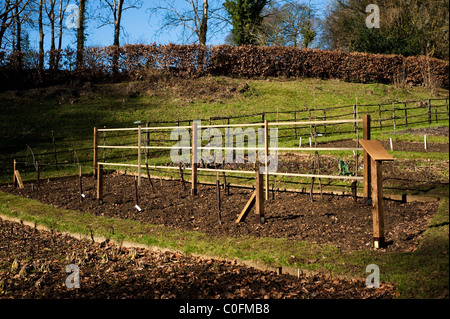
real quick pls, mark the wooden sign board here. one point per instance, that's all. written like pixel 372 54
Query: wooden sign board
pixel 376 151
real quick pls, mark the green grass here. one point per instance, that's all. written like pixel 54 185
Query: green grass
pixel 423 273
pixel 29 118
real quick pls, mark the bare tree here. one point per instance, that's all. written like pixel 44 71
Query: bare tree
pixel 10 10
pixel 197 18
pixel 81 32
pixel 115 9
pixel 41 35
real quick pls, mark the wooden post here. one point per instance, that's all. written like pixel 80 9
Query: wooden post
pixel 266 150
pixel 99 184
pixel 367 162
pixel 81 185
pixel 377 155
pixel 218 197
pixel 194 159
pixel 139 154
pixel 37 175
pixel 377 205
pixel 95 152
pixel 393 115
pixel 295 126
pixel 259 197
pixel 406 114
pixel 14 174
pixel 429 111
pixel 379 117
pixel 136 194
pixel 54 151
pixel 181 176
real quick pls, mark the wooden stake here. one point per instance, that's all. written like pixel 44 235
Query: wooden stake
pixel 149 177
pixel 218 198
pixel 194 159
pixel 95 152
pixel 14 174
pixel 247 208
pixel 266 150
pixel 18 179
pixel 81 185
pixel 367 161
pixel 181 176
pixel 54 150
pixel 136 191
pixel 37 175
pixel 377 205
pixel 99 184
pixel 139 154
pixel 259 198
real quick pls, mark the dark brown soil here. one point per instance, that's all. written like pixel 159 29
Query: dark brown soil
pixel 33 263
pixel 335 220
pixel 399 146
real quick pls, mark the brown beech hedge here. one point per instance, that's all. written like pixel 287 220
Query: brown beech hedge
pixel 133 61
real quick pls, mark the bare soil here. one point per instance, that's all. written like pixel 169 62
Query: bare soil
pixel 335 220
pixel 33 263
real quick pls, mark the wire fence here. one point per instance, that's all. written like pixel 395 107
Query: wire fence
pixel 56 151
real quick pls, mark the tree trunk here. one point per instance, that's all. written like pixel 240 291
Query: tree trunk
pixel 41 37
pixel 80 34
pixel 51 17
pixel 117 19
pixel 60 33
pixel 204 25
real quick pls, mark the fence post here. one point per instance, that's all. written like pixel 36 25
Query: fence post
pixel 259 197
pixel 194 159
pixel 37 175
pixel 367 161
pixel 295 126
pixel 95 151
pixel 393 115
pixel 54 150
pixel 429 111
pixel 406 114
pixel 266 157
pixel 377 200
pixel 99 184
pixel 379 117
pixel 139 154
pixel 14 174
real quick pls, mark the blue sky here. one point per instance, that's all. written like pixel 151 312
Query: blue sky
pixel 139 28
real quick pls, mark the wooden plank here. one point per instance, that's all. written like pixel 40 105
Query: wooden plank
pixel 376 151
pixel 18 178
pixel 377 205
pixel 247 208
